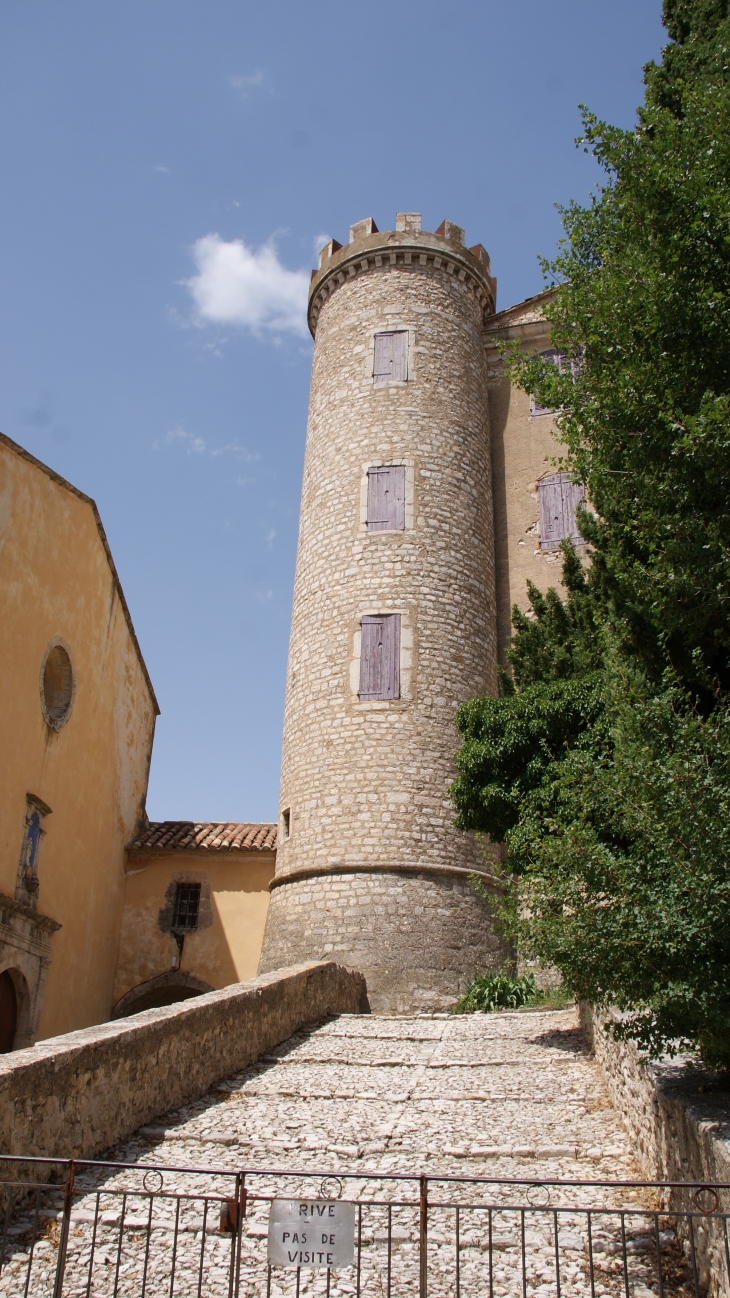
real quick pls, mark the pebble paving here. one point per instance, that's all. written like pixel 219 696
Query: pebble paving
pixel 506 1096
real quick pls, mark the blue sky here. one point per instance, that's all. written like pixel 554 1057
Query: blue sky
pixel 167 169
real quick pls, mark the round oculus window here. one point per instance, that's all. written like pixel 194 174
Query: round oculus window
pixel 57 684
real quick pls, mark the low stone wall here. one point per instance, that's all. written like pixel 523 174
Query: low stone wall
pixel 678 1118
pixel 79 1094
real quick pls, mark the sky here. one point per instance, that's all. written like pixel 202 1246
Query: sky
pixel 169 169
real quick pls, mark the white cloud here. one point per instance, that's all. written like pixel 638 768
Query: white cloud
pixel 244 85
pixel 238 452
pixel 193 445
pixel 198 446
pixel 236 284
pixel 319 241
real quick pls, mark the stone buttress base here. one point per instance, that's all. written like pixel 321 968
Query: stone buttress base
pixel 417 936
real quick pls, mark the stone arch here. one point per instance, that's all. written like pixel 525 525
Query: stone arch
pixel 166 989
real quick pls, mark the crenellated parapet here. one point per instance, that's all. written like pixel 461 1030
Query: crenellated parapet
pixel 405 248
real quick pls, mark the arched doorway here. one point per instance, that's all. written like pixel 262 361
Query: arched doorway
pixel 166 989
pixel 8 1013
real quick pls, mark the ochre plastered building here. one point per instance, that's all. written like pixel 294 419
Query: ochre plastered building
pixel 91 924
pixel 78 717
pixel 223 870
pixel 428 499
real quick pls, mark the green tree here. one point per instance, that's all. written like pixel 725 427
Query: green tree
pixel 607 770
pixel 644 303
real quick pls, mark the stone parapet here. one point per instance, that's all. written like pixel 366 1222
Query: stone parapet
pixel 371 250
pixel 78 1094
pixel 678 1119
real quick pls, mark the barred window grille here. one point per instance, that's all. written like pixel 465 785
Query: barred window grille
pixel 187 905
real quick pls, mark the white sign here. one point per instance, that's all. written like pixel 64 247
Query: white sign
pixel 311 1233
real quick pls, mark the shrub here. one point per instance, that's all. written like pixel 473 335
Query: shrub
pixel 501 991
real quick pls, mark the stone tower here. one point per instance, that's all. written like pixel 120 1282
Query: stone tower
pixel 393 620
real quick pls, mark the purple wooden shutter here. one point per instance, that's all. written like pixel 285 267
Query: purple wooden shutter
pixel 391 356
pixel 386 498
pixel 559 499
pixel 383 358
pixel 551 511
pixel 380 657
pixel 572 496
pixel 400 355
pixel 397 496
pixel 377 513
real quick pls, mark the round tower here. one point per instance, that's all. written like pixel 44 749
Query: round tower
pixel 393 622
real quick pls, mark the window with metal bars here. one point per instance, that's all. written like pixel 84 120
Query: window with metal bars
pixel 187 905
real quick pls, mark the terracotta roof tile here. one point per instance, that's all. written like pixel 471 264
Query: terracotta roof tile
pixel 210 835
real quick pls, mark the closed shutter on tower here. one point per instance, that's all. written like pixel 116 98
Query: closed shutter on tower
pixel 391 357
pixel 387 498
pixel 559 499
pixel 380 657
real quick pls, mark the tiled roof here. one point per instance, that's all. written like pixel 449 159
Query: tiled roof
pixel 211 835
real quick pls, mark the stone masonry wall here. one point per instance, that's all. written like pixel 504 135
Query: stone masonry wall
pixel 678 1119
pixel 78 1094
pixel 382 924
pixel 365 782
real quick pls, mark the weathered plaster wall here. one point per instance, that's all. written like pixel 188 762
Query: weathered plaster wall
pixel 226 951
pixel 56 580
pixel 678 1117
pixel 524 447
pixel 75 1096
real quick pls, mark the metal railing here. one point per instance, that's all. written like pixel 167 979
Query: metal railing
pixel 99 1229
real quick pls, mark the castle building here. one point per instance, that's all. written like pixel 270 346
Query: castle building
pixel 431 494
pixel 423 478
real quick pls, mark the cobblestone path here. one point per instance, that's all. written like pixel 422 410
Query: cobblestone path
pixel 508 1095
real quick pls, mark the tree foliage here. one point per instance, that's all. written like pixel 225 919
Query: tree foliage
pixel 644 302
pixel 607 770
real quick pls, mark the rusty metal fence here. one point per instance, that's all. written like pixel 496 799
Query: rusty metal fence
pixel 113 1230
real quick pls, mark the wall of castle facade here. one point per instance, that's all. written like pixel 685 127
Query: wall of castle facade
pixel 524 450
pixel 225 948
pixel 416 937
